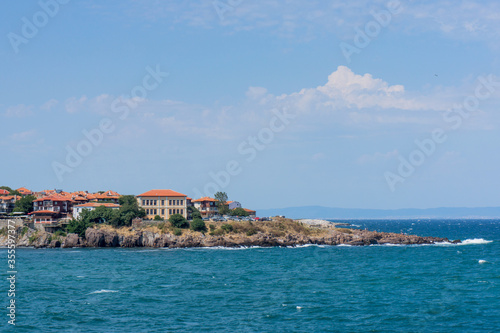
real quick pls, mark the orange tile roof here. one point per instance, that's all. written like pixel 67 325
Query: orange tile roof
pixel 3 192
pixel 43 212
pixel 23 190
pixel 54 197
pixel 162 193
pixel 98 204
pixel 248 210
pixel 205 199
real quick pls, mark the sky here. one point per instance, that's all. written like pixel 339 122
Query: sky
pixel 352 104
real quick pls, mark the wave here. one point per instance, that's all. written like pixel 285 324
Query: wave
pixel 103 291
pixel 474 241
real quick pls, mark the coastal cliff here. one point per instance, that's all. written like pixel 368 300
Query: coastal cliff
pixel 284 233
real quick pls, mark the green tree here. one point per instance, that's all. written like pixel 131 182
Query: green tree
pixel 221 198
pixel 128 211
pixel 194 212
pixel 78 227
pixel 25 205
pixel 238 212
pixel 178 221
pixel 198 225
pixel 158 218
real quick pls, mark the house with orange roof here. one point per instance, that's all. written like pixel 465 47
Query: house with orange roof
pixel 50 209
pixel 78 209
pixel 4 192
pixel 207 206
pixel 109 196
pixel 24 191
pixel 163 203
pixel 251 213
pixel 7 203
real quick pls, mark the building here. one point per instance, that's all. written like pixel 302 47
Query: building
pixel 108 196
pixel 207 206
pixel 251 213
pixel 233 204
pixel 163 203
pixel 78 209
pixel 7 203
pixel 4 192
pixel 50 209
pixel 24 191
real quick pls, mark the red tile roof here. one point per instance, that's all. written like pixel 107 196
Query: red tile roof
pixel 162 193
pixel 98 204
pixel 248 210
pixel 204 199
pixel 24 190
pixel 54 197
pixel 43 212
pixel 4 192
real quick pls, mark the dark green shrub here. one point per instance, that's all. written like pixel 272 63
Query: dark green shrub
pixel 227 227
pixel 198 225
pixel 212 227
pixel 178 221
pixel 177 231
pixel 158 218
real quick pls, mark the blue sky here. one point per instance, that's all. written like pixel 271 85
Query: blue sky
pixel 257 99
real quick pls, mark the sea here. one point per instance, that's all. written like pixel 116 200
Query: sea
pixel 426 288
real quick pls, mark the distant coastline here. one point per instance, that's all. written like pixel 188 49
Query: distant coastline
pixel 334 213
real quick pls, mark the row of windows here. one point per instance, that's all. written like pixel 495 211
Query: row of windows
pixel 170 211
pixel 155 202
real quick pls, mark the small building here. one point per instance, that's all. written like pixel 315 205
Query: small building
pixel 7 203
pixel 233 204
pixel 109 196
pixel 24 191
pixel 163 203
pixel 251 213
pixel 207 206
pixel 4 192
pixel 78 209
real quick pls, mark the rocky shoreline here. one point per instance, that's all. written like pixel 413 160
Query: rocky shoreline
pixel 100 238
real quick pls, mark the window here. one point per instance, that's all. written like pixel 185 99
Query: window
pixel 163 212
pixel 170 211
pixel 163 202
pixel 182 211
pixel 170 202
pixel 182 202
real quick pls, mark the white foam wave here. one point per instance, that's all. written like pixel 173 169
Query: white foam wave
pixel 482 261
pixel 103 291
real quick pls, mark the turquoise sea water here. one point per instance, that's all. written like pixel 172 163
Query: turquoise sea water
pixel 439 288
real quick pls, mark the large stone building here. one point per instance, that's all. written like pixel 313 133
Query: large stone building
pixel 163 203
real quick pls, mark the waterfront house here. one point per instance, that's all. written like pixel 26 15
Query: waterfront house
pixel 4 192
pixel 50 209
pixel 207 206
pixel 78 209
pixel 163 203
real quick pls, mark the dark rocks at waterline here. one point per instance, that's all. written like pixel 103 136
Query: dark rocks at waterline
pixel 98 238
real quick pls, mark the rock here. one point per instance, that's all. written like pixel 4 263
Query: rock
pixel 72 240
pixel 101 238
pixel 55 243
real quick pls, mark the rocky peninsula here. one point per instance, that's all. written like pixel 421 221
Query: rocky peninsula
pixel 282 232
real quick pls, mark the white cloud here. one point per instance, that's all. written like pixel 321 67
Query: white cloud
pixel 49 104
pixel 23 136
pixel 74 104
pixel 19 111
